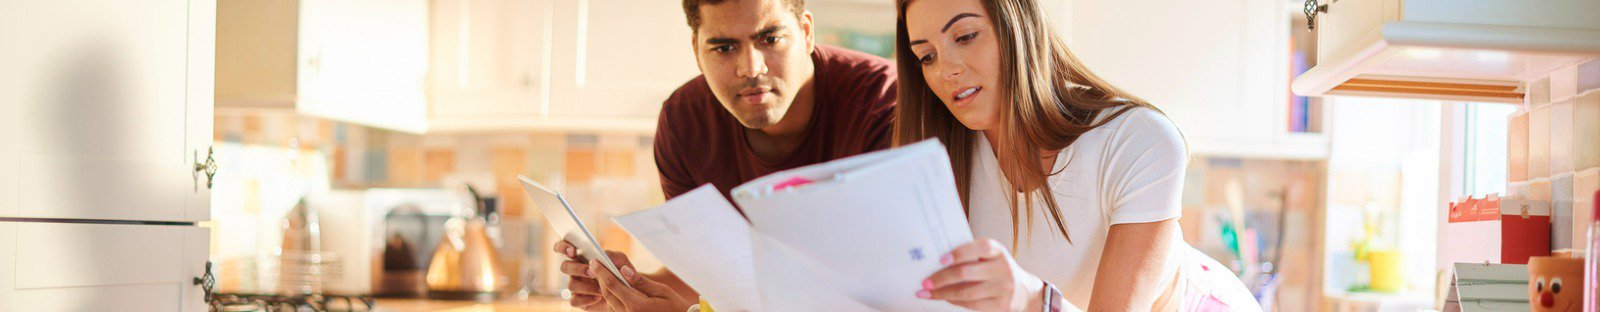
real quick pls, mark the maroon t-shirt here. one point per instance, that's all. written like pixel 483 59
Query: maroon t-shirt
pixel 699 142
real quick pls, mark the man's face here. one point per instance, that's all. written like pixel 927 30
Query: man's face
pixel 756 55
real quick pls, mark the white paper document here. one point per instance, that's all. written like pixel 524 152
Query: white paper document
pixel 702 239
pixel 857 234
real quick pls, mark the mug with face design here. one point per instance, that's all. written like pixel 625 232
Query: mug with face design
pixel 1555 283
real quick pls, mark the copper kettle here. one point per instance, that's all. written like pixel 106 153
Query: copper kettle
pixel 466 265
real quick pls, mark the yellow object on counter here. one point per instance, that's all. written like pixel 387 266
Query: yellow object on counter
pixel 1385 265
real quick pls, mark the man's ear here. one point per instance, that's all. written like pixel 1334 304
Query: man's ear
pixel 809 26
pixel 694 48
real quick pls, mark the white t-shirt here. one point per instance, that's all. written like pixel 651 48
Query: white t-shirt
pixel 1129 170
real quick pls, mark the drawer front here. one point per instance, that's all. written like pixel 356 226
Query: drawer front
pixel 132 298
pixel 101 267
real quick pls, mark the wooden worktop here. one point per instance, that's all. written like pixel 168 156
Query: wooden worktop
pixel 532 304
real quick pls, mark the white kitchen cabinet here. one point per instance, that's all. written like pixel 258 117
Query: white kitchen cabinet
pixel 358 61
pixel 109 110
pixel 105 112
pixel 602 65
pixel 1479 51
pixel 488 60
pixel 1217 69
pixel 51 266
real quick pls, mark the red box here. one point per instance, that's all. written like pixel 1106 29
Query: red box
pixel 1497 230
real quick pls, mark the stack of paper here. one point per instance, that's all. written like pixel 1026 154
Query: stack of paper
pixel 861 234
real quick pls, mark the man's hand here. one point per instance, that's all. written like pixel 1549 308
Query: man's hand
pixel 645 295
pixel 585 290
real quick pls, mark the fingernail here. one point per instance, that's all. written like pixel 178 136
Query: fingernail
pixel 927 284
pixel 945 259
pixel 924 294
pixel 627 271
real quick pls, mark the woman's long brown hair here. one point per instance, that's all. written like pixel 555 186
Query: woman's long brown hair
pixel 1055 99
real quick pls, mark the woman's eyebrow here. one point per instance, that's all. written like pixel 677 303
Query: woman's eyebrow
pixel 956 18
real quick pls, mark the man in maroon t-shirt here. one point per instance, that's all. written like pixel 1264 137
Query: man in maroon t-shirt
pixel 768 99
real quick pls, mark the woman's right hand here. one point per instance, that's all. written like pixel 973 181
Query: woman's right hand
pixel 981 276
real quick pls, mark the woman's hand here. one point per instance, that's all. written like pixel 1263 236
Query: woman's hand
pixel 982 276
pixel 646 294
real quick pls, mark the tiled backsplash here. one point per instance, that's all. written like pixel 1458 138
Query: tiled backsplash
pixel 278 157
pixel 1553 152
pixel 580 164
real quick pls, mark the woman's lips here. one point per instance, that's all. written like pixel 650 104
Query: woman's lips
pixel 963 96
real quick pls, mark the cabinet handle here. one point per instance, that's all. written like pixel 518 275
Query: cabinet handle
pixel 208 167
pixel 208 284
pixel 1311 9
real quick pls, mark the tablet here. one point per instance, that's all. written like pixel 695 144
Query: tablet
pixel 565 222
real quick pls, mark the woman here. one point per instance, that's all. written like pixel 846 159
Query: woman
pixel 1076 177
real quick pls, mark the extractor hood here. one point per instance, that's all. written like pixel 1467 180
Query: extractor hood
pixel 1478 51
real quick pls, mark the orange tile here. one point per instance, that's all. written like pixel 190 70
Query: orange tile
pixel 582 165
pixel 438 163
pixel 406 165
pixel 507 163
pixel 617 163
pixel 339 163
pixel 1539 190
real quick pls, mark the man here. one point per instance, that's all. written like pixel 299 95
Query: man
pixel 768 99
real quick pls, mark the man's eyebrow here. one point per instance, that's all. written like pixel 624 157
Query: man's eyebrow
pixel 957 18
pixel 721 41
pixel 761 34
pixel 767 32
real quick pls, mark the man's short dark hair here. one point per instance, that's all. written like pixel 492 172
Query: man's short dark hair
pixel 691 9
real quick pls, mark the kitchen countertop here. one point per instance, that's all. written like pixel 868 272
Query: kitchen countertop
pixel 518 305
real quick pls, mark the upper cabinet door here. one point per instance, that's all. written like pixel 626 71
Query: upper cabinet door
pixel 200 109
pixel 620 59
pixel 591 65
pixel 98 108
pixel 364 61
pixel 489 59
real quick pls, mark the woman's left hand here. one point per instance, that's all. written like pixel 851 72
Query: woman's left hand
pixel 982 276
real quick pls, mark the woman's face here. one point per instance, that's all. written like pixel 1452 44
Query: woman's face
pixel 955 43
